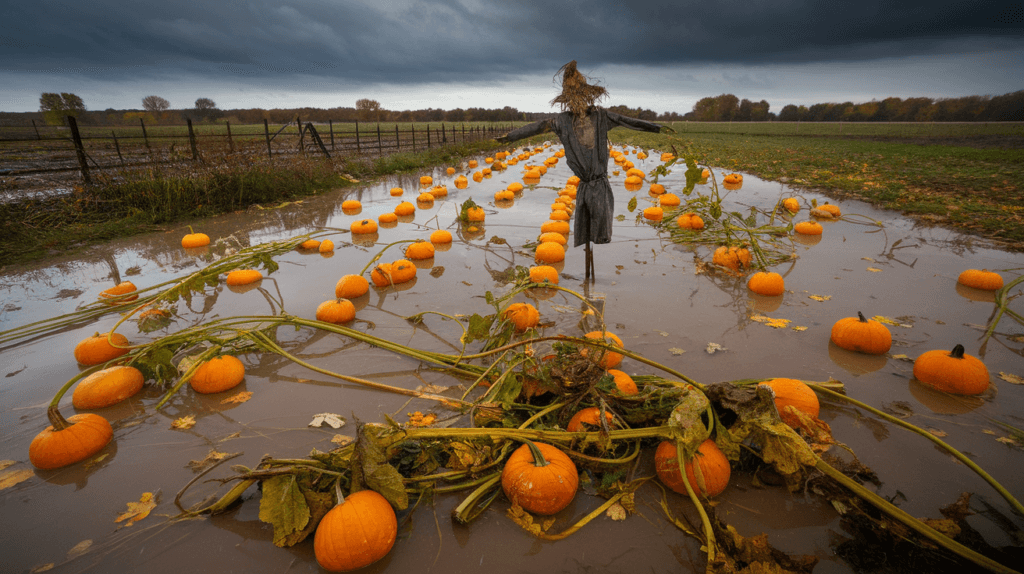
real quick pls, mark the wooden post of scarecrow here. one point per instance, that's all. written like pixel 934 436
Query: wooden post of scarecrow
pixel 582 127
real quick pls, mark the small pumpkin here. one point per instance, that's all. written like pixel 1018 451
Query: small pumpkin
pixel 667 156
pixel 732 257
pixel 669 200
pixel 550 252
pixel 767 284
pixel 523 315
pixel 791 204
pixel 953 372
pixel 705 173
pixel 554 226
pixel 540 478
pixel 439 191
pixel 351 286
pixel 862 335
pixel 96 349
pixel 426 180
pixel 441 236
pixel 712 474
pixel 389 217
pixel 475 214
pixel 733 178
pixel 981 279
pixel 656 189
pixel 425 198
pixel 551 236
pixel 623 382
pixel 654 213
pixel 544 274
pixel 351 205
pixel 636 172
pixel 589 418
pixel 473 164
pixel 573 181
pixel 808 228
pixel 364 226
pixel 690 221
pixel 218 374
pixel 419 250
pixel 336 311
pixel 605 359
pixel 450 171
pixel 360 530
pixel 244 276
pixel 832 209
pixel 461 182
pixel 795 394
pixel 116 292
pixel 193 239
pixel 397 192
pixel 515 187
pixel 327 246
pixel 67 441
pixel 107 387
pixel 560 215
pixel 478 176
pixel 405 208
pixel 309 245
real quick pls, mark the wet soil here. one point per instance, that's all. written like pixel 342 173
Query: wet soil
pixel 653 300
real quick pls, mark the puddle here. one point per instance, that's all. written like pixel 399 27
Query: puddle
pixel 653 300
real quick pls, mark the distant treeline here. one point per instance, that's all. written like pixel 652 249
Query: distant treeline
pixel 726 107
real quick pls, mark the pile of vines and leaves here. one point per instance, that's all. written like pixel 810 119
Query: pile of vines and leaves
pixel 525 387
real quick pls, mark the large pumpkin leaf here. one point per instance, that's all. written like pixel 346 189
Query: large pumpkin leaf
pixel 319 503
pixel 687 421
pixel 372 470
pixel 284 507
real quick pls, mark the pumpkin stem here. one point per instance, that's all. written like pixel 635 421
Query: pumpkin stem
pixel 861 317
pixel 337 492
pixel 957 352
pixel 538 458
pixel 190 230
pixel 56 419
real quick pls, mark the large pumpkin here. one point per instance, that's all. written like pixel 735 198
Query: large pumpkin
pixel 544 274
pixel 862 335
pixel 420 250
pixel 191 240
pixel 336 311
pixel 218 375
pixel 540 478
pixel 623 382
pixel 550 252
pixel 606 359
pixel 523 315
pixel 96 349
pixel 796 394
pixel 953 372
pixel 767 284
pixel 67 441
pixel 246 276
pixel 808 228
pixel 107 387
pixel 357 532
pixel 981 279
pixel 117 291
pixel 351 286
pixel 441 236
pixel 712 466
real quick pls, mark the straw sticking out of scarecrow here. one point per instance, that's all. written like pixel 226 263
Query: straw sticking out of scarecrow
pixel 578 96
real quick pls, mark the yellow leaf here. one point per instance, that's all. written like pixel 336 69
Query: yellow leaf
pixel 902 357
pixel 9 479
pixel 799 329
pixel 137 510
pixel 341 440
pixel 888 321
pixel 5 463
pixel 184 423
pixel 988 431
pixel 1011 378
pixel 418 419
pixel 874 270
pixel 211 458
pixel 819 297
pixel 79 549
pixel 616 512
pixel 676 351
pixel 1007 440
pixel 237 398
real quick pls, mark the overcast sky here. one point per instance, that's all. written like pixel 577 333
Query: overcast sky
pixel 662 55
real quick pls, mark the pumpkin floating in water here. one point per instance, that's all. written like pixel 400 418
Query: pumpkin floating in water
pixel 656 189
pixel 107 387
pixel 405 208
pixel 550 252
pixel 398 272
pixel 461 182
pixel 550 236
pixel 690 221
pixel 711 477
pixel 504 195
pixel 767 284
pixel 359 531
pixel 796 394
pixel 351 286
pixel 540 478
pixel 554 226
pixel 808 228
pixel 439 191
pixel 733 178
pixel 515 187
pixel 351 205
pixel 441 236
pixel 667 156
pixel 117 291
pixel 327 246
pixel 473 163
pixel 67 441
pixel 573 181
pixel 654 213
pixel 636 172
pixel 605 359
pixel 96 349
pixel 218 375
pixel 544 274
pixel 706 173
pixel 623 382
pixel 244 276
pixel 425 198
pixel 192 239
pixel 791 204
pixel 983 279
pixel 831 209
pixel 478 177
pixel 389 217
pixel 560 215
pixel 669 200
pixel 426 180
pixel 364 226
pixel 309 245
pixel 450 171
pixel 419 250
pixel 862 335
pixel 523 315
pixel 732 257
pixel 336 311
pixel 475 214
pixel 589 418
pixel 397 192
pixel 952 372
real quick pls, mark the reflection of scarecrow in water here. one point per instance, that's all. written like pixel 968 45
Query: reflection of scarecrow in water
pixel 583 129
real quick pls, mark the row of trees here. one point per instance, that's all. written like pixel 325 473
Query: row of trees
pixel 56 107
pixel 1004 108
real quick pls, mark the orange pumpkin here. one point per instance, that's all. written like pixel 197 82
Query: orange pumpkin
pixel 478 177
pixel 560 215
pixel 351 205
pixel 711 477
pixel 554 226
pixel 450 171
pixel 550 252
pixel 808 228
pixel 389 217
pixel 245 276
pixel 336 311
pixel 425 198
pixel 732 257
pixel 690 221
pixel 862 335
pixel 116 292
pixel 475 214
pixel 515 187
pixel 953 372
pixel 791 204
pixel 107 387
pixel 96 349
pixel 589 418
pixel 552 236
pixel 327 246
pixel 195 240
pixel 523 315
pixel 473 163
pixel 540 478
pixel 832 209
pixel 669 200
pixel 441 236
pixel 67 441
pixel 351 286
pixel 605 359
pixel 439 191
pixel 307 245
pixel 461 182
pixel 405 208
pixel 364 226
pixel 419 250
pixel 795 394
pixel 654 213
pixel 397 192
pixel 218 374
pixel 426 180
pixel 767 284
pixel 623 382
pixel 359 531
pixel 544 274
pixel 983 279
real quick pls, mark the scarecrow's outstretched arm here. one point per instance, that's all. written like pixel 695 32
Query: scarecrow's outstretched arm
pixel 632 123
pixel 526 131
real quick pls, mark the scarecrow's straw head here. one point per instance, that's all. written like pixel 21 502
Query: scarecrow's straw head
pixel 577 95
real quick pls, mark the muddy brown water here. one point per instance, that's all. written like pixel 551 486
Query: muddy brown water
pixel 653 300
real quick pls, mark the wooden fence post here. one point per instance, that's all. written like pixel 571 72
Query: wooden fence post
pixel 359 149
pixel 380 147
pixel 266 131
pixel 428 136
pixel 117 147
pixel 398 142
pixel 192 140
pixel 463 133
pixel 79 149
pixel 145 136
pixel 330 125
pixel 316 139
pixel 444 134
pixel 302 147
pixel 38 137
pixel 231 144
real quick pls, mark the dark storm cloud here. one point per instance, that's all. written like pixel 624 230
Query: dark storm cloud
pixel 410 41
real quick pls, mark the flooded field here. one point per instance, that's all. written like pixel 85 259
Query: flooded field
pixel 653 299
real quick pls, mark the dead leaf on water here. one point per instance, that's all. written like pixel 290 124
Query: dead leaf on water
pixel 1011 378
pixel 874 270
pixel 773 323
pixel 237 398
pixel 96 460
pixel 937 432
pixel 902 357
pixel 184 423
pixel 616 512
pixel 79 549
pixel 888 321
pixel 662 333
pixel 211 458
pixel 336 421
pixel 988 431
pixel 231 436
pixel 418 419
pixel 819 297
pixel 42 568
pixel 342 440
pixel 10 478
pixel 436 272
pixel 137 510
pixel 428 388
pixel 5 463
pixel 712 348
pixel 1007 440
pixel 676 351
pixel 798 329
pixel 867 259
pixel 1017 338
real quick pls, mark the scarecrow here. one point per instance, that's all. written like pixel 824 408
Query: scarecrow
pixel 583 128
